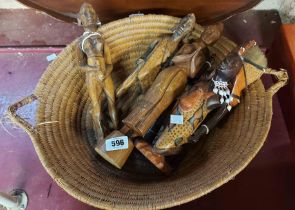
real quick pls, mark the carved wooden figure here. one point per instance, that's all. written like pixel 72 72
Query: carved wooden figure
pixel 98 68
pixel 168 85
pixel 254 67
pixel 149 64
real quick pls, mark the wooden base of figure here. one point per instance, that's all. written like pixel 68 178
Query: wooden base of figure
pixel 157 159
pixel 118 157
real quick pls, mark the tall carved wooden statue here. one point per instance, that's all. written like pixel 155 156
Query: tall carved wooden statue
pixel 149 64
pixel 98 69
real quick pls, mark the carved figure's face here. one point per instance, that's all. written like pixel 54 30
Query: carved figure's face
pixel 229 67
pixel 185 26
pixel 212 33
pixel 87 15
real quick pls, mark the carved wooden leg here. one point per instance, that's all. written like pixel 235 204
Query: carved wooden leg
pixel 127 84
pixel 157 159
pixel 95 93
pixel 109 90
pixel 96 119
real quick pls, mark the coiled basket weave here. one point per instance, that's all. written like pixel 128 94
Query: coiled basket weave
pixel 63 137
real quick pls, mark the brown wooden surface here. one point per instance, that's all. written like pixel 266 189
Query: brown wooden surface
pixel 206 11
pixel 28 27
pixel 282 55
pixel 118 157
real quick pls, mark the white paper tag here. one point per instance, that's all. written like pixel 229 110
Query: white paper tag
pixel 51 57
pixel 136 14
pixel 117 143
pixel 176 119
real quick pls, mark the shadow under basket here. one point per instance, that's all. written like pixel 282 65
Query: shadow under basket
pixel 63 136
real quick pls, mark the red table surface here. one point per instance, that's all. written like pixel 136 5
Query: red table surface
pixel 266 183
pixel 282 55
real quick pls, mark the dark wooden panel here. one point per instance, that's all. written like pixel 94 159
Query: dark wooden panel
pixel 206 11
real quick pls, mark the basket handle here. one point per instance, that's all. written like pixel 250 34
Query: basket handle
pixel 281 77
pixel 12 109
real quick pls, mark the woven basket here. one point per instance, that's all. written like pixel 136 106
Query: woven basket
pixel 63 137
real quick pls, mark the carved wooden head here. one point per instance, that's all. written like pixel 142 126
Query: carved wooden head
pixel 229 67
pixel 87 16
pixel 185 26
pixel 212 33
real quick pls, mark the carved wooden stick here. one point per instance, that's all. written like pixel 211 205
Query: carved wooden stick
pixel 240 82
pixel 239 85
pixel 157 159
